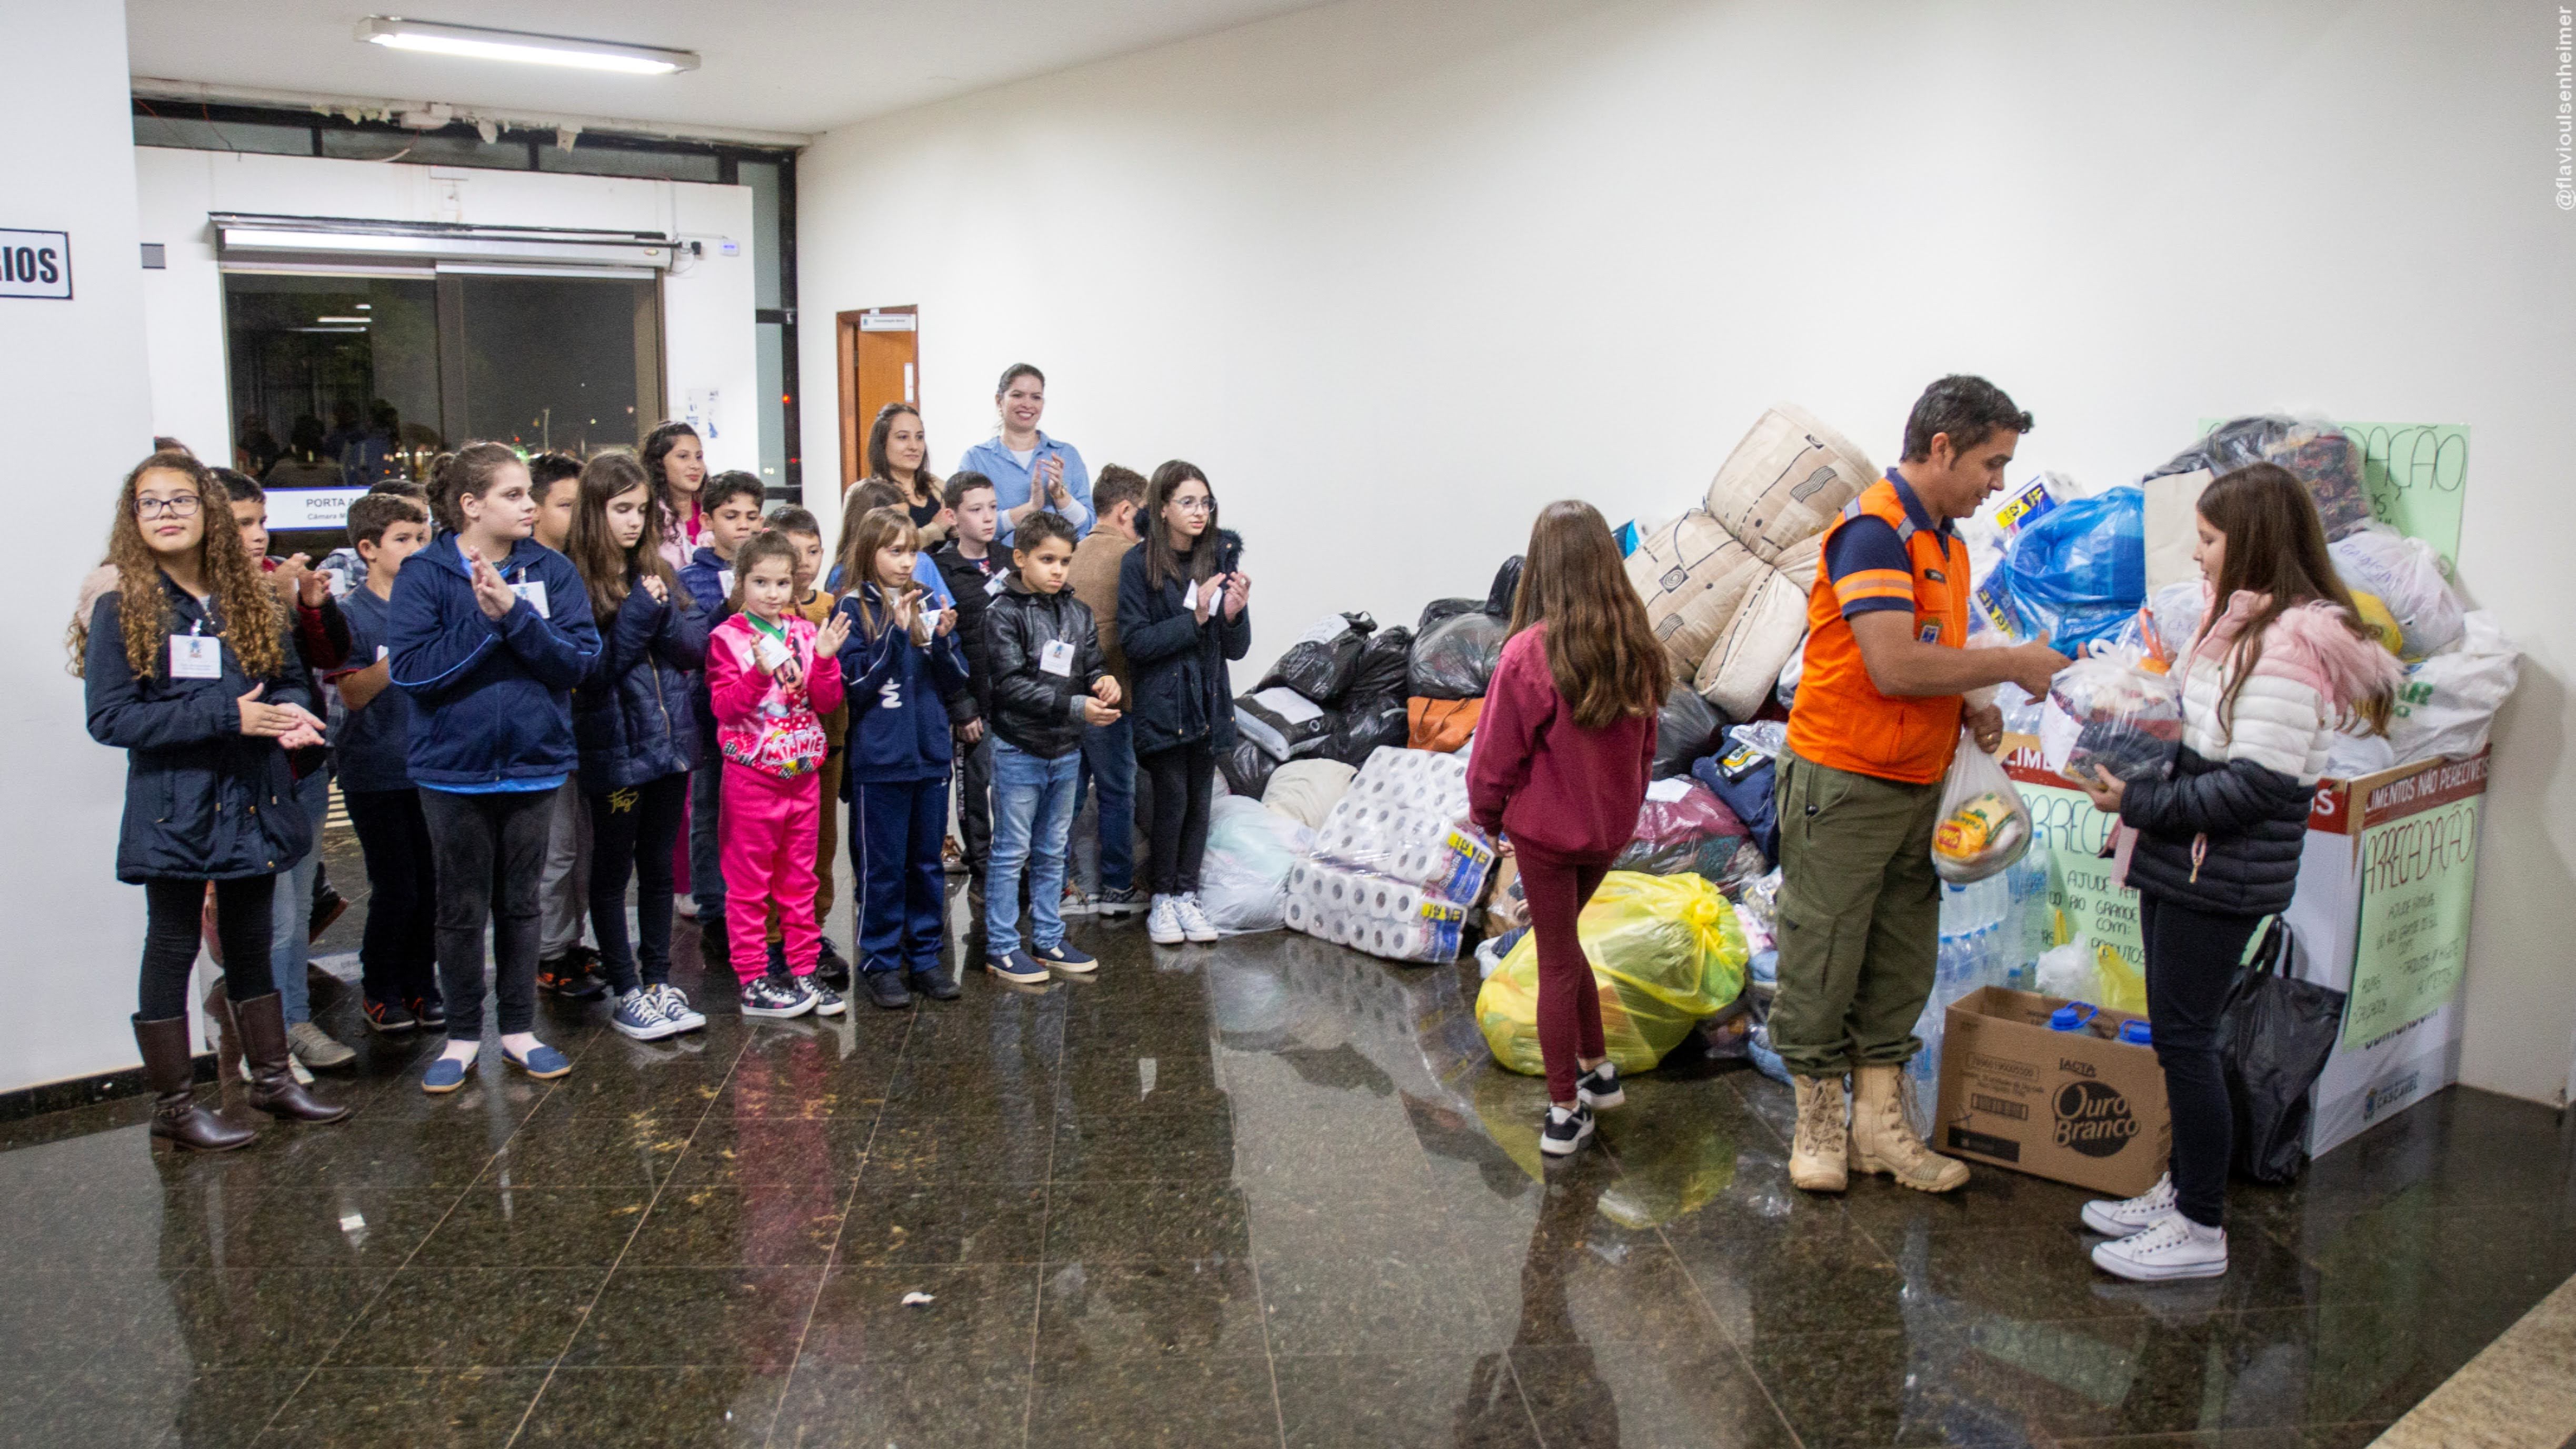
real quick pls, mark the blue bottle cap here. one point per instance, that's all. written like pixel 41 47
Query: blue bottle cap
pixel 2071 1017
pixel 2136 1033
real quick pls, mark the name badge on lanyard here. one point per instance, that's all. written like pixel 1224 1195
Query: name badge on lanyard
pixel 1056 658
pixel 534 591
pixel 196 656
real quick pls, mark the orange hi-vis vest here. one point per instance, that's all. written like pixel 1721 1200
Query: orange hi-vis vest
pixel 1840 719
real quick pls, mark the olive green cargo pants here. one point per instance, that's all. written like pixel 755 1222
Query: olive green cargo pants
pixel 1859 923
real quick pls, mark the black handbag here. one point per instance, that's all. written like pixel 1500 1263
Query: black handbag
pixel 2273 1040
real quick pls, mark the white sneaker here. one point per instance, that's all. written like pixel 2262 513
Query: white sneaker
pixel 1163 923
pixel 1194 922
pixel 1074 903
pixel 684 905
pixel 2120 1219
pixel 2176 1247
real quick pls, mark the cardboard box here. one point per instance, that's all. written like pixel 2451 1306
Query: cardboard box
pixel 2073 1106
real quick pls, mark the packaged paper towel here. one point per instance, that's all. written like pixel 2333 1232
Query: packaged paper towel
pixel 1400 819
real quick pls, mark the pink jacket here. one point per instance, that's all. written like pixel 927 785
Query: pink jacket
pixel 763 722
pixel 2313 669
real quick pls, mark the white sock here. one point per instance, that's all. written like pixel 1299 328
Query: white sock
pixel 460 1051
pixel 520 1043
pixel 2202 1234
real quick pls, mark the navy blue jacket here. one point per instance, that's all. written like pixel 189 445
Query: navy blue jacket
pixel 203 801
pixel 633 718
pixel 371 747
pixel 704 577
pixel 491 698
pixel 898 724
pixel 1182 693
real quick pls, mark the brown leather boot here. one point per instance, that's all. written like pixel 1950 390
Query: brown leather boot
pixel 273 1088
pixel 1816 1153
pixel 1883 1140
pixel 173 1079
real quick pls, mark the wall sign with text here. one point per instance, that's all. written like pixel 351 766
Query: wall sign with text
pixel 36 264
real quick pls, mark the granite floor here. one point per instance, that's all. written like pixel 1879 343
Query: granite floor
pixel 1263 1193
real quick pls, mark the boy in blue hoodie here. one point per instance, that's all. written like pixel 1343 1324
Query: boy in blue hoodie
pixel 730 504
pixel 491 631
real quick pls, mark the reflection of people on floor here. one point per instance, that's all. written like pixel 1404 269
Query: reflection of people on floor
pixel 788 1178
pixel 1554 1363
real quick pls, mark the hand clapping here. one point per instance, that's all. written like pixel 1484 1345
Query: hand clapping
pixel 489 589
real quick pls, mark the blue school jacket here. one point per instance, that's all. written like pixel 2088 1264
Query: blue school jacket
pixel 491 698
pixel 898 725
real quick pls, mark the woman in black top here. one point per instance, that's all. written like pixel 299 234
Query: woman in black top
pixel 899 453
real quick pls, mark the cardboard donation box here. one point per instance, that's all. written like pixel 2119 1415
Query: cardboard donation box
pixel 2076 1106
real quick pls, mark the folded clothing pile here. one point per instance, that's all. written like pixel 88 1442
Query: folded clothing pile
pixel 1391 871
pixel 1683 828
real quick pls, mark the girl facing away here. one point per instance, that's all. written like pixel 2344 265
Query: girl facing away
pixel 1559 773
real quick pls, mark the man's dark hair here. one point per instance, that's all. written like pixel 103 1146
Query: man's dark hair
pixel 788 518
pixel 1040 526
pixel 961 484
pixel 1968 409
pixel 373 513
pixel 729 485
pixel 547 469
pixel 1114 486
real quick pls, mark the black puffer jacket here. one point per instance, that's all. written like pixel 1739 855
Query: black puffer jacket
pixel 634 718
pixel 2220 836
pixel 203 801
pixel 1036 710
pixel 1183 694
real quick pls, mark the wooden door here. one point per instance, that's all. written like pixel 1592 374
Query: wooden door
pixel 880 363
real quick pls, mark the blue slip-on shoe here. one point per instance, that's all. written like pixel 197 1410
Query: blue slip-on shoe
pixel 1018 968
pixel 543 1062
pixel 1063 957
pixel 446 1075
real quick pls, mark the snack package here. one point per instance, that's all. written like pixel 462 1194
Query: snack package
pixel 1984 825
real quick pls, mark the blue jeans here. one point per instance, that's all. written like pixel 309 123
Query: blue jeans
pixel 1109 766
pixel 706 863
pixel 1032 814
pixel 290 916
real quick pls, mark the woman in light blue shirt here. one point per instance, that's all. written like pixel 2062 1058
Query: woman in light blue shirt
pixel 1029 470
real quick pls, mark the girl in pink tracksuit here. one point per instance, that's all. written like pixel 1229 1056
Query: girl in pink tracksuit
pixel 771 676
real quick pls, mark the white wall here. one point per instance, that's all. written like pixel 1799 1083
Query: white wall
pixel 709 338
pixel 1397 272
pixel 73 373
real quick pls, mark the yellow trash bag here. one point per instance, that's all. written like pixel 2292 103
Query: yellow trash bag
pixel 1665 950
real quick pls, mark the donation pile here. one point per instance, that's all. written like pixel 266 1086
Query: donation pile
pixel 1666 953
pixel 1337 694
pixel 1391 871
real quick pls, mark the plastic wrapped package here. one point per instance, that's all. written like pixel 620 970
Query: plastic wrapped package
pixel 1247 767
pixel 2377 622
pixel 2447 704
pixel 1439 611
pixel 2084 970
pixel 2316 452
pixel 1324 660
pixel 1984 826
pixel 2406 574
pixel 1283 722
pixel 1682 827
pixel 1742 868
pixel 1349 906
pixel 1455 658
pixel 1364 726
pixel 2079 572
pixel 1786 479
pixel 1665 952
pixel 1400 819
pixel 1760 901
pixel 2021 712
pixel 1385 669
pixel 2176 611
pixel 1243 881
pixel 1692 574
pixel 1307 790
pixel 1684 731
pixel 2110 711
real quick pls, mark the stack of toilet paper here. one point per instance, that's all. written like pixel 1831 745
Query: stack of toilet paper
pixel 1392 871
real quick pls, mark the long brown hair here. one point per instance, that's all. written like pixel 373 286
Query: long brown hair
pixel 610 572
pixel 248 610
pixel 877 528
pixel 2276 545
pixel 1600 649
pixel 1162 561
pixel 925 482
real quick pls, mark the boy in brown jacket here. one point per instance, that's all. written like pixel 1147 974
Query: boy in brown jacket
pixel 1108 752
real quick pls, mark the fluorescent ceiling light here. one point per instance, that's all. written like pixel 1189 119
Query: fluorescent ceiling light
pixel 361 321
pixel 480 43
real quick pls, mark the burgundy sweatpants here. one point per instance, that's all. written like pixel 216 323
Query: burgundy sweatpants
pixel 1569 1003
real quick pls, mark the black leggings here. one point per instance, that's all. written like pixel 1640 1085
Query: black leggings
pixel 633 831
pixel 173 910
pixel 2192 956
pixel 490 856
pixel 398 956
pixel 1183 778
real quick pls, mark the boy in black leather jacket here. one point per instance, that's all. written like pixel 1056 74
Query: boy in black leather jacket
pixel 1048 684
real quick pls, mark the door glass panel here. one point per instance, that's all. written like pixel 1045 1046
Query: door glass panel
pixel 555 363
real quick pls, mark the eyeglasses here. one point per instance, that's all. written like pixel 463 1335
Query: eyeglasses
pixel 1195 505
pixel 183 506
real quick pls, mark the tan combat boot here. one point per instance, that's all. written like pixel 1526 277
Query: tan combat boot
pixel 1883 1140
pixel 1816 1154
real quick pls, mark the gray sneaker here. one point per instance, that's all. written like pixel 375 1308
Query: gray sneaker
pixel 1118 901
pixel 314 1047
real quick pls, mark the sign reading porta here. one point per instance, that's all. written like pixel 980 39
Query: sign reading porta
pixel 36 264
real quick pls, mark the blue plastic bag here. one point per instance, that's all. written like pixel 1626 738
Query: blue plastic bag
pixel 2080 572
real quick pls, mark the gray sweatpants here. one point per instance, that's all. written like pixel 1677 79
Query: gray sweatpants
pixel 563 898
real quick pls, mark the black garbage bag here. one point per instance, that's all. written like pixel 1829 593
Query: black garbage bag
pixel 1365 724
pixel 1440 611
pixel 1386 666
pixel 1506 589
pixel 1455 659
pixel 1247 768
pixel 1320 665
pixel 1685 730
pixel 2273 1040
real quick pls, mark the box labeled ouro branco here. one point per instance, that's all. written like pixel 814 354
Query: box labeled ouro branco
pixel 2076 1106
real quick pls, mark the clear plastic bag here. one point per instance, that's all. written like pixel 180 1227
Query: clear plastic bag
pixel 1243 881
pixel 2110 711
pixel 1665 952
pixel 2448 703
pixel 2406 574
pixel 2316 452
pixel 1682 827
pixel 2176 611
pixel 1984 826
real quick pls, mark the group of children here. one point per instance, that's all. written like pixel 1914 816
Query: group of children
pixel 547 678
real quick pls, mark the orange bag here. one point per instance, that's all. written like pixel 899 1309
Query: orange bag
pixel 1442 725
